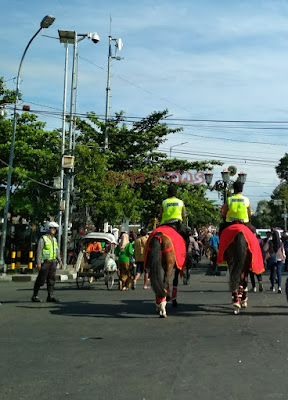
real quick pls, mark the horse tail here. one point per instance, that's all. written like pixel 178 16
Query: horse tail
pixel 238 261
pixel 155 264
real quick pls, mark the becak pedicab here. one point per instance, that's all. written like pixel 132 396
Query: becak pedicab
pixel 96 262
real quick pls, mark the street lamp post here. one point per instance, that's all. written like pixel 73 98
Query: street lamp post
pixel 225 180
pixel 171 147
pixel 67 180
pixel 45 23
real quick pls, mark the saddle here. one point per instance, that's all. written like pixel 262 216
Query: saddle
pixel 227 237
pixel 178 244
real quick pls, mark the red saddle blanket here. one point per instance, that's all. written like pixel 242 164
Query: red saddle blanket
pixel 227 237
pixel 178 244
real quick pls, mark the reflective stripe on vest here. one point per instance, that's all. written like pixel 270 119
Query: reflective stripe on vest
pixel 238 208
pixel 172 209
pixel 50 248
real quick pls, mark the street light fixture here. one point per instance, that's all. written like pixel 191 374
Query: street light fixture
pixel 225 180
pixel 45 23
pixel 171 147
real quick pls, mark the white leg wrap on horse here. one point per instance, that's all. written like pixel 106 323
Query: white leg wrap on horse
pixel 163 309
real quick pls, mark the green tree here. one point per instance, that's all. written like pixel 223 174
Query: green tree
pixel 6 96
pixel 282 168
pixel 36 162
pixel 279 193
pixel 134 151
pixel 262 217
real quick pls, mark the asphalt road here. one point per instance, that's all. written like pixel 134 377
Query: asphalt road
pixel 99 344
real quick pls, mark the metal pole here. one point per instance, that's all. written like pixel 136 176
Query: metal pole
pixel 11 157
pixel 225 192
pixel 108 95
pixel 74 118
pixel 68 175
pixel 63 146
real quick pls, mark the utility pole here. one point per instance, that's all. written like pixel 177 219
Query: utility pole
pixel 69 152
pixel 118 46
pixel 285 215
pixel 61 193
pixel 67 165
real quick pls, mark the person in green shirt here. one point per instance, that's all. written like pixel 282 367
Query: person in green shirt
pixel 124 251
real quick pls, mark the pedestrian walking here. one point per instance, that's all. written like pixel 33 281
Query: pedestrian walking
pixel 46 262
pixel 285 243
pixel 139 251
pixel 124 251
pixel 259 276
pixel 275 255
pixel 193 252
pixel 214 246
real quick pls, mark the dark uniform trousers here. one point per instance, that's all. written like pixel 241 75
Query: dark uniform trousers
pixel 47 274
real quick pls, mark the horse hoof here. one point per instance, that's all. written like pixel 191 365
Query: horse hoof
pixel 174 303
pixel 236 310
pixel 162 315
pixel 244 304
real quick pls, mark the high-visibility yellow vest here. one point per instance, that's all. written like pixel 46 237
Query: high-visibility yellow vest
pixel 50 248
pixel 237 208
pixel 172 209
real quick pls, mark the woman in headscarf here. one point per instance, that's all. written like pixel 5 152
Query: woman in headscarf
pixel 124 251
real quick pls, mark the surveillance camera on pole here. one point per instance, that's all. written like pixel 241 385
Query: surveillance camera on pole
pixel 94 37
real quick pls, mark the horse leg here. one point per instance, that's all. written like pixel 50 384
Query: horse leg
pixel 161 306
pixel 168 297
pixel 175 286
pixel 244 299
pixel 236 301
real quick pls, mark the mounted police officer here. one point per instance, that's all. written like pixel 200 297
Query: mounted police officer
pixel 46 262
pixel 237 209
pixel 172 210
pixel 173 213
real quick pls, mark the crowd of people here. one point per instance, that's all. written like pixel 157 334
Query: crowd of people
pixel 130 251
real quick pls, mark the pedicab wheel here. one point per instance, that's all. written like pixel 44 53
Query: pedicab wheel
pixel 109 280
pixel 82 281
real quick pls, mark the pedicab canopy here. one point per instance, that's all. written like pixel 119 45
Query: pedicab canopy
pixel 100 237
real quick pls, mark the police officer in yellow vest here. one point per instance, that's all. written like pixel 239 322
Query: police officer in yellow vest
pixel 172 210
pixel 46 261
pixel 237 208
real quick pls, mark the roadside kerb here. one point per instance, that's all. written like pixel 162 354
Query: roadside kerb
pixel 61 275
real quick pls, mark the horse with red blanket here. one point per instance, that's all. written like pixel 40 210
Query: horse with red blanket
pixel 240 248
pixel 165 249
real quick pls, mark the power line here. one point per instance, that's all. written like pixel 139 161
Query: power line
pixel 28 178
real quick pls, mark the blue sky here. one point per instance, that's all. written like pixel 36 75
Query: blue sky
pixel 217 59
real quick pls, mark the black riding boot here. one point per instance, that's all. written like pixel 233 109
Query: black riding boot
pixel 35 297
pixel 51 298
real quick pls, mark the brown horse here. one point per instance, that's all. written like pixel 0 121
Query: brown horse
pixel 239 259
pixel 161 262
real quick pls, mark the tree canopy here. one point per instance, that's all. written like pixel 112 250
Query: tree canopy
pixel 127 181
